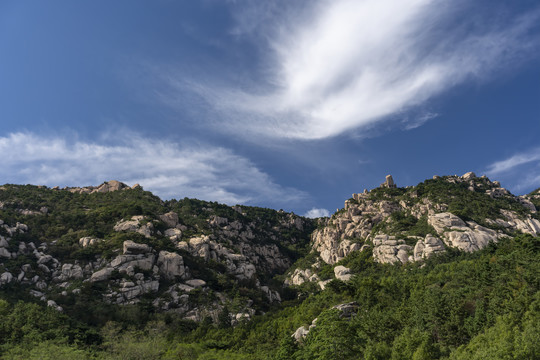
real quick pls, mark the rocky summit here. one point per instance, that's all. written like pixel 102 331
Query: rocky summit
pixel 116 256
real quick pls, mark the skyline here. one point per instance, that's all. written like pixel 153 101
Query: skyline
pixel 292 105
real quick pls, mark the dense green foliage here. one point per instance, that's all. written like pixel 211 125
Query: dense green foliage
pixel 469 205
pixel 459 306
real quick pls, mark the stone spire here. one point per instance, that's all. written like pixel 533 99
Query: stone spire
pixel 389 183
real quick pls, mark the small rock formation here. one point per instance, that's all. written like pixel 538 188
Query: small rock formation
pixel 527 204
pixel 70 271
pixel 54 305
pixel 342 273
pixel 302 332
pixel 389 183
pixel 107 186
pixel 132 248
pixel 271 295
pixel 195 283
pixel 6 278
pixel 138 223
pixel 88 241
pixel 4 253
pixel 300 276
pixel 101 275
pixel 346 311
pixel 389 250
pixel 527 225
pixel 428 247
pixel 173 234
pixel 468 176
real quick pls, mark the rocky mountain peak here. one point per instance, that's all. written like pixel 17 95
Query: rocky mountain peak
pixel 107 186
pixel 400 225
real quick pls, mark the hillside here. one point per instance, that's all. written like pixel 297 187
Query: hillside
pixel 445 269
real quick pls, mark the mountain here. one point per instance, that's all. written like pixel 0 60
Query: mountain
pixel 435 270
pixel 401 225
pixel 64 245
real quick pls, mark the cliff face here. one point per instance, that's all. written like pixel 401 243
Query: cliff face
pixel 401 225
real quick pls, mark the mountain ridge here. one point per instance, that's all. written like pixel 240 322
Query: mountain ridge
pixel 117 247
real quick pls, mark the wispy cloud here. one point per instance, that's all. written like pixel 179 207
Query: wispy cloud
pixel 521 171
pixel 348 64
pixel 163 167
pixel 315 213
pixel 409 124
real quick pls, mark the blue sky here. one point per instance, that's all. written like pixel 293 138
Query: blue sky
pixel 281 104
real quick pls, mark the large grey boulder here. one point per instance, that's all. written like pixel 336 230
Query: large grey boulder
pixel 329 243
pixel 245 271
pixel 468 176
pixel 170 219
pixel 102 275
pixel 5 253
pixel 3 242
pixel 70 271
pixel 6 278
pixel 170 264
pixel 133 248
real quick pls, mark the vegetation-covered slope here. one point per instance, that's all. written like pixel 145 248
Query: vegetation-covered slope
pixel 479 303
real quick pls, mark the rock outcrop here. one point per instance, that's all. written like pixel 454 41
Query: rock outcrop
pixel 342 273
pixel 389 183
pixel 88 241
pixel 108 186
pixel 387 249
pixel 428 247
pixel 300 276
pixel 367 221
pixel 465 236
pixel 138 224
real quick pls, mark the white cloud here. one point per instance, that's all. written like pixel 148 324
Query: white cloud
pixel 514 161
pixel 163 167
pixel 348 64
pixel 409 124
pixel 315 213
pixel 520 171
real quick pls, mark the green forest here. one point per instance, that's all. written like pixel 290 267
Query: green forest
pixel 484 305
